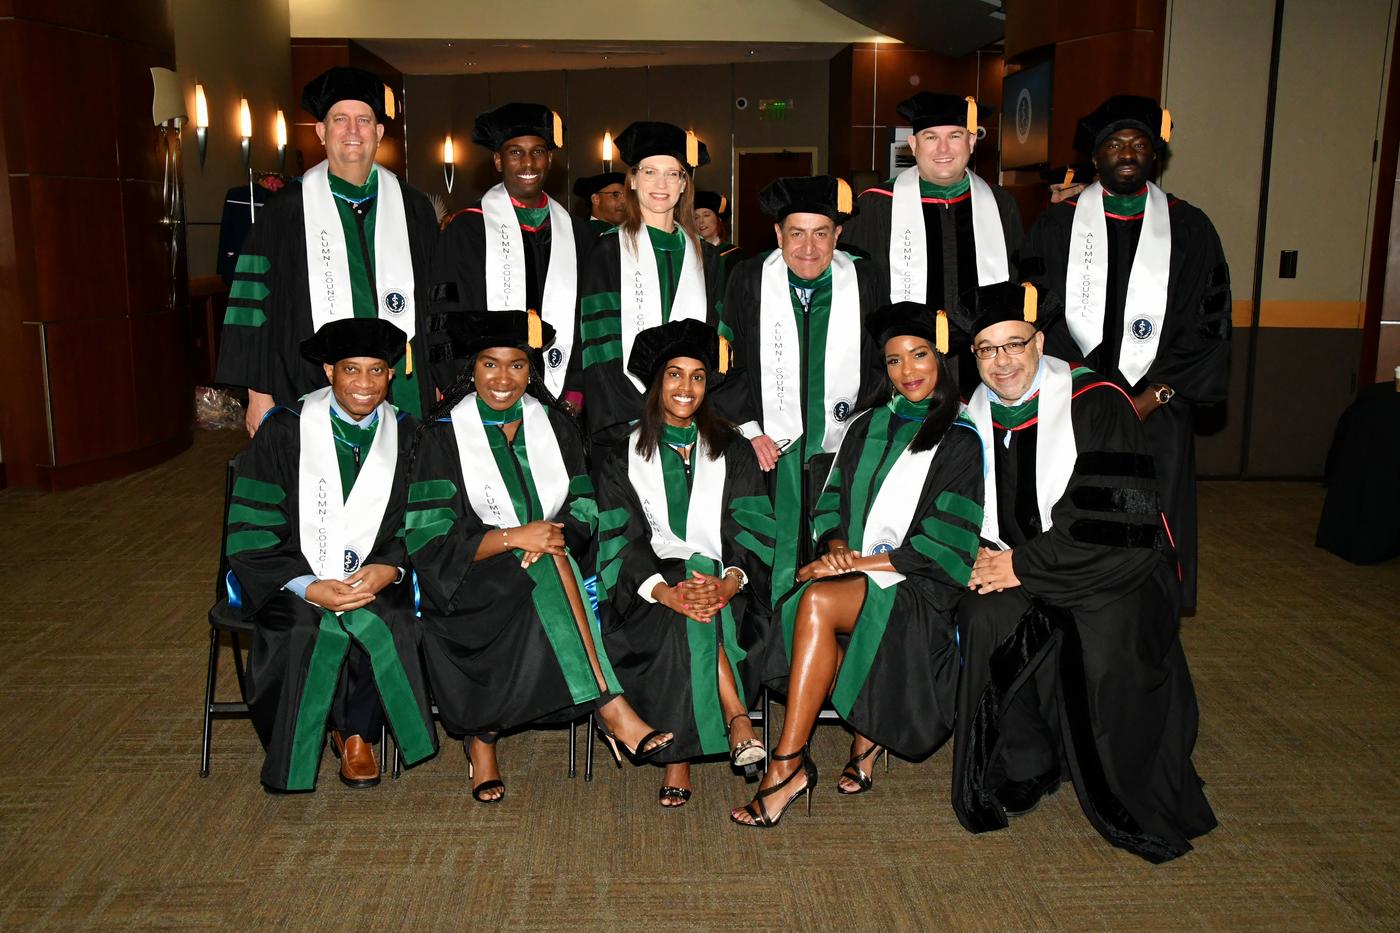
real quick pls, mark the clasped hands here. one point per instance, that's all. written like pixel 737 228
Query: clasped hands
pixel 992 572
pixel 355 591
pixel 535 539
pixel 838 559
pixel 699 597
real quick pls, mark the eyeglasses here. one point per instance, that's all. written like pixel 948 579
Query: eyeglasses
pixel 670 176
pixel 1014 348
pixel 609 194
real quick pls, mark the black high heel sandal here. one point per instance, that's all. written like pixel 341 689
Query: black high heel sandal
pixel 759 812
pixel 854 772
pixel 636 755
pixel 748 756
pixel 484 786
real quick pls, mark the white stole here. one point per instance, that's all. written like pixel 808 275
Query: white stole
pixel 1086 280
pixel 781 355
pixel 888 519
pixel 1055 451
pixel 704 513
pixel 486 489
pixel 506 287
pixel 327 266
pixel 338 533
pixel 640 287
pixel 909 246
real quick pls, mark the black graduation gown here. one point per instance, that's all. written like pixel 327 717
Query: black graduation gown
pixel 1193 354
pixel 269 307
pixel 298 649
pixel 898 677
pixel 666 662
pixel 952 250
pixel 1088 643
pixel 494 660
pixel 794 489
pixel 459 272
pixel 612 402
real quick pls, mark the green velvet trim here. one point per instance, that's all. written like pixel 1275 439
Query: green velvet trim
pixel 240 316
pixel 957 189
pixel 254 265
pixel 427 490
pixel 256 490
pixel 240 541
pixel 247 515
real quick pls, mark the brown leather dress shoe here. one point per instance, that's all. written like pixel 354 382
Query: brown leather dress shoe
pixel 358 767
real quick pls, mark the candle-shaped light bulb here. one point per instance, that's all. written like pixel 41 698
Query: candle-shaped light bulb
pixel 607 147
pixel 201 108
pixel 245 119
pixel 448 156
pixel 281 130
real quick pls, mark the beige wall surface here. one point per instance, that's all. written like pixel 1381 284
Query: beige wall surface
pixel 235 50
pixel 698 97
pixel 1332 70
pixel 616 20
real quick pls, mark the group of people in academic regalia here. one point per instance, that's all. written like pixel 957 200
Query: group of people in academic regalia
pixel 905 465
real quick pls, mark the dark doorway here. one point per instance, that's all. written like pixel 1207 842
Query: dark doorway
pixel 752 231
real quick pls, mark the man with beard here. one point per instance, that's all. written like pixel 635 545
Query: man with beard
pixel 518 249
pixel 1147 297
pixel 1071 657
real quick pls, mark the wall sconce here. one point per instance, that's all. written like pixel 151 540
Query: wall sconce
pixel 449 163
pixel 245 130
pixel 281 141
pixel 201 122
pixel 607 152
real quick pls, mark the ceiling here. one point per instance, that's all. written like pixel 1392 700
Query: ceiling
pixel 478 56
pixel 949 27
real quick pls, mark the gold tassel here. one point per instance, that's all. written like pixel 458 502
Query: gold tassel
pixel 1069 177
pixel 844 199
pixel 692 149
pixel 726 354
pixel 972 115
pixel 1166 133
pixel 534 330
pixel 941 333
pixel 723 204
pixel 1030 305
pixel 408 358
pixel 558 129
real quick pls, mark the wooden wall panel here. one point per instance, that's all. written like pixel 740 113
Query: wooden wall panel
pixel 53 112
pixel 90 386
pixel 672 96
pixel 73 236
pixel 1088 71
pixel 160 357
pixel 147 254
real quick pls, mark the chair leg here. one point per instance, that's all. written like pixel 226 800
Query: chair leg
pixel 238 668
pixel 767 718
pixel 383 748
pixel 398 762
pixel 588 751
pixel 210 681
pixel 573 750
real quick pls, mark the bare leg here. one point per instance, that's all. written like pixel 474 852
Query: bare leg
pixel 617 714
pixel 732 705
pixel 828 608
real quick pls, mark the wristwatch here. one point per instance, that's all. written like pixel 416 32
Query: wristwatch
pixel 1162 393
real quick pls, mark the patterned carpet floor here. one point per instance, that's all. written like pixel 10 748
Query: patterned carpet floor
pixel 105 822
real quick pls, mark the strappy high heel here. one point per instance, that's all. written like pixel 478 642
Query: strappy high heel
pixel 759 812
pixel 854 772
pixel 747 755
pixel 636 755
pixel 478 791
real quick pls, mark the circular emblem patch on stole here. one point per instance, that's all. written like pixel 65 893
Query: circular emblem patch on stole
pixel 555 357
pixel 841 410
pixel 1024 111
pixel 882 547
pixel 352 560
pixel 1142 328
pixel 394 301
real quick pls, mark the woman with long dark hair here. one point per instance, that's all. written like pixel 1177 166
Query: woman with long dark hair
pixel 896 525
pixel 653 268
pixel 685 541
pixel 500 514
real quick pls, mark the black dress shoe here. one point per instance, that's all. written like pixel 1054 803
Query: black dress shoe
pixel 1018 798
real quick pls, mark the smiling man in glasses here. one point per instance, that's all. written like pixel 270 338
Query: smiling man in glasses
pixel 1071 661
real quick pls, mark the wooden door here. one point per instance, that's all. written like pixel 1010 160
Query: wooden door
pixel 751 229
